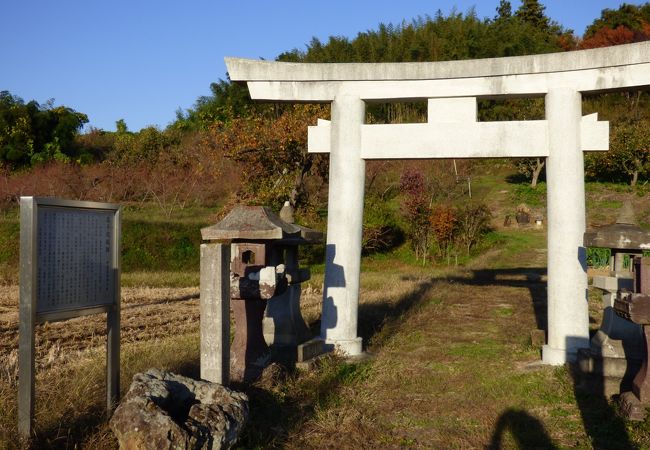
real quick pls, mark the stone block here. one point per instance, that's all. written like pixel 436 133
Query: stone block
pixel 215 312
pixel 612 284
pixel 310 349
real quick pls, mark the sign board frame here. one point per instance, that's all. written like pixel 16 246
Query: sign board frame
pixel 66 213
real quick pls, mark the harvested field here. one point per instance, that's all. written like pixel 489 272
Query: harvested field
pixel 147 314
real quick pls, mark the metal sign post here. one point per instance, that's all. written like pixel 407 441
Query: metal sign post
pixel 69 267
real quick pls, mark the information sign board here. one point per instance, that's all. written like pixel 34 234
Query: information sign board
pixel 69 267
pixel 74 258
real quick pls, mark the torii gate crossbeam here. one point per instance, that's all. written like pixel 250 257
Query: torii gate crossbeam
pixel 452 88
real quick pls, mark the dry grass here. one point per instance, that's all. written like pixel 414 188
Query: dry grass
pixel 159 327
pixel 70 393
pixel 452 366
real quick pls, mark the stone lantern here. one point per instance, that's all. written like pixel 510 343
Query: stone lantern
pixel 617 348
pixel 263 270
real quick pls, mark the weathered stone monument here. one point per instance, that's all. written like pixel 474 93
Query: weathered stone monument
pixel 452 89
pixel 69 267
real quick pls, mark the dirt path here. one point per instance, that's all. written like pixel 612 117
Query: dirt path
pixel 457 370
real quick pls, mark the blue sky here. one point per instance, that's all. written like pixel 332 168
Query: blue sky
pixel 141 60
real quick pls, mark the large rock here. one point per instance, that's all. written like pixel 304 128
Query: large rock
pixel 167 411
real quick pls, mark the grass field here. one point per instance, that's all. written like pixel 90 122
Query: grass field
pixel 451 362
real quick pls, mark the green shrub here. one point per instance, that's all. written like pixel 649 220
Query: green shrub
pixel 9 242
pixel 472 223
pixel 160 246
pixel 381 229
pixel 598 257
pixel 534 197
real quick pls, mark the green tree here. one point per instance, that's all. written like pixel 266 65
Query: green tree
pixel 504 10
pixel 630 147
pixel 120 127
pixel 532 11
pixel 31 133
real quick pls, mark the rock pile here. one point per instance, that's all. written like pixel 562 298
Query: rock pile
pixel 167 411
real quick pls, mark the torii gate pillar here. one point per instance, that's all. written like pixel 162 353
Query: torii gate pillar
pixel 568 318
pixel 344 226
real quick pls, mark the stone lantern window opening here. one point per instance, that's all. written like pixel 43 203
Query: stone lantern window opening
pixel 248 257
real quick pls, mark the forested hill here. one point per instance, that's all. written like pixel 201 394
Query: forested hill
pixel 224 129
pixel 439 38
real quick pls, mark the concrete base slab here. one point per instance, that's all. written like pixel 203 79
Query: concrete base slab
pixel 605 366
pixel 556 356
pixel 613 284
pixel 351 347
pixel 301 356
pixel 311 364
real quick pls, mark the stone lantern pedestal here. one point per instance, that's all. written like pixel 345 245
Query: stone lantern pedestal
pixel 264 287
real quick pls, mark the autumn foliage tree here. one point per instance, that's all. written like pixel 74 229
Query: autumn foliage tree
pixel 443 225
pixel 271 154
pixel 416 210
pixel 472 223
pixel 627 24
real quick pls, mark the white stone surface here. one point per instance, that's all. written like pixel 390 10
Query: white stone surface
pixel 455 139
pixel 267 276
pixel 534 84
pixel 594 135
pixel 568 318
pixel 344 226
pixel 319 137
pixel 452 110
pixel 621 55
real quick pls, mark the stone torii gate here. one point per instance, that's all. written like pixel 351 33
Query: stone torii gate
pixel 452 89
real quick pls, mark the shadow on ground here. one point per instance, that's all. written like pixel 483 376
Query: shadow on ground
pixel 526 431
pixel 603 425
pixel 277 409
pixel 602 422
pixel 530 278
pixel 378 321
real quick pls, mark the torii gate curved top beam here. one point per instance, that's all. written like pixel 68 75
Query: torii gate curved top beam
pixel 452 131
pixel 596 70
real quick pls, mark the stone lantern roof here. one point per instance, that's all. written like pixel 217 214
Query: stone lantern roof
pixel 259 223
pixel 625 234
